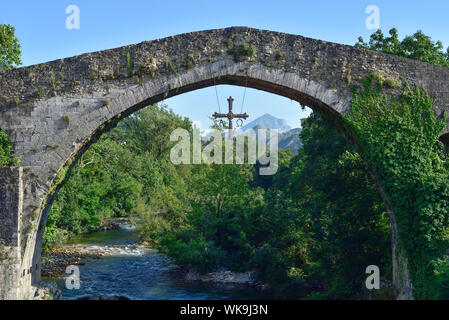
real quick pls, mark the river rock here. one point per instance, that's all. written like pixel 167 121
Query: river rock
pixel 221 276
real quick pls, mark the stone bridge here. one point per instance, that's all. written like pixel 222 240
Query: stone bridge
pixel 52 111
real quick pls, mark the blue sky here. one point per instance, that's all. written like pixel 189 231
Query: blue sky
pixel 40 27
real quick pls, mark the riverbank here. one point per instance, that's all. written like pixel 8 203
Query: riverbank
pixel 56 261
pixel 114 265
pixel 224 276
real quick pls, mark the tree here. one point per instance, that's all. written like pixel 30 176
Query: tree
pixel 9 48
pixel 127 171
pixel 418 46
pixel 323 220
pixel 9 57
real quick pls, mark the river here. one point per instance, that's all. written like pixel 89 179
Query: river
pixel 137 272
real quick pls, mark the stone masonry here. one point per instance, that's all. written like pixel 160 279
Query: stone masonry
pixel 11 199
pixel 52 111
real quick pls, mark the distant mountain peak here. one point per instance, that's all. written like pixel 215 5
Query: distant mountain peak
pixel 268 121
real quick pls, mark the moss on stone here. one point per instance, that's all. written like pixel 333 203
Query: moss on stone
pixel 243 50
pixel 228 43
pixel 41 92
pixel 53 82
pixel 67 120
pixel 392 83
pixel 170 67
pixel 280 55
pixel 189 62
pixel 129 64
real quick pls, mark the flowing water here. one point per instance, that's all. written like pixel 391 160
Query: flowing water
pixel 137 272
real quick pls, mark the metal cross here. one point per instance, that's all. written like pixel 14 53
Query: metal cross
pixel 230 115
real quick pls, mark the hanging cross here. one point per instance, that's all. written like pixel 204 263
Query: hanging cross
pixel 230 115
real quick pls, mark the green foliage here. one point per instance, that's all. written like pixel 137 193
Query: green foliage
pixel 243 50
pixel 392 83
pixel 418 46
pixel 280 55
pixel 329 220
pixel 9 48
pixel 212 230
pixel 397 137
pixel 170 67
pixel 346 213
pixel 6 156
pixel 310 228
pixel 189 62
pixel 41 92
pixel 432 163
pixel 118 175
pixel 389 82
pixel 53 82
pixel 228 43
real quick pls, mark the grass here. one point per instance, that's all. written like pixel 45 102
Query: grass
pixel 129 64
pixel 53 83
pixel 228 43
pixel 189 62
pixel 41 92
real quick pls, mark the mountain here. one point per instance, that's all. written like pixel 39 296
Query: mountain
pixel 269 122
pixel 286 140
pixel 290 140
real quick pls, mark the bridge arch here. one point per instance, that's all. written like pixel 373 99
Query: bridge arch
pixel 52 111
